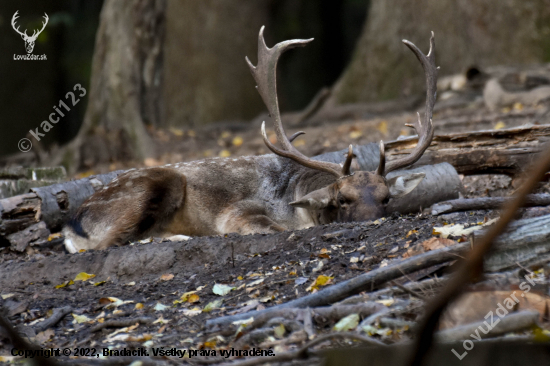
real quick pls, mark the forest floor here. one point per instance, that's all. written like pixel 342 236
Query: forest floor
pixel 110 303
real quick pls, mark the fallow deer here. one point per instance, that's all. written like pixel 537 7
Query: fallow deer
pixel 252 194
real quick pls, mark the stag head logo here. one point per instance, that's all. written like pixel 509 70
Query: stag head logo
pixel 29 40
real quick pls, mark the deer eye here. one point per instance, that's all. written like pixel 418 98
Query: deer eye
pixel 386 200
pixel 342 200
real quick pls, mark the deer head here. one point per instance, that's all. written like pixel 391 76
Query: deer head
pixel 354 196
pixel 29 40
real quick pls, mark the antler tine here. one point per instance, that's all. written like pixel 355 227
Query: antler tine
pixel 331 168
pixel 265 75
pixel 382 162
pixel 296 134
pixel 424 129
pixel 347 164
pixel 13 19
pixel 46 18
pixel 43 26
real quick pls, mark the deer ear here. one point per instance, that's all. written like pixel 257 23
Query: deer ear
pixel 403 184
pixel 315 200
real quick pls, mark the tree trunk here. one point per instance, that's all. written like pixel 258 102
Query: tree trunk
pixel 205 46
pixel 126 85
pixel 468 32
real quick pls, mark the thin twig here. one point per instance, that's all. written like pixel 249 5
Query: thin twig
pixel 121 323
pixel 409 291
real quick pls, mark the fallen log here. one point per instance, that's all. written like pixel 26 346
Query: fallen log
pixel 514 322
pixel 27 217
pixel 525 243
pixel 486 203
pixel 507 151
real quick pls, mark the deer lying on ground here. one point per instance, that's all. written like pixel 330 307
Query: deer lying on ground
pixel 252 194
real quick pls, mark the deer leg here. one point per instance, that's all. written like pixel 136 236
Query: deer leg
pixel 247 217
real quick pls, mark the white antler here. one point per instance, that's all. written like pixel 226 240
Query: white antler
pixel 13 19
pixel 35 34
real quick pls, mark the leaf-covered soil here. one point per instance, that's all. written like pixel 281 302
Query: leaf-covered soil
pixel 262 270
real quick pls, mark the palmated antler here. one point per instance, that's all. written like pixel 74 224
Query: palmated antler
pixel 424 129
pixel 265 75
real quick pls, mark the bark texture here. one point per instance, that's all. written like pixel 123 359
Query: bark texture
pixel 126 85
pixel 205 46
pixel 468 32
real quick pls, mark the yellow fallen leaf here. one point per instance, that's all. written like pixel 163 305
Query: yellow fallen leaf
pixel 500 125
pixel 355 134
pixel 54 236
pixel 321 280
pixel 176 131
pixel 66 283
pixel 347 323
pixel 83 276
pixel 193 298
pixel 185 297
pixel 100 283
pixel 224 154
pixel 383 127
pixel 108 300
pixel 161 320
pixel 388 302
pixel 225 134
pixel 518 106
pixel 6 296
pixel 138 306
pixel 80 319
pixel 280 331
pixel 211 344
pixel 411 232
pixel 237 141
pixel 142 338
pixel 240 278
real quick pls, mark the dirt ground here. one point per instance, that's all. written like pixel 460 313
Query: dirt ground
pixel 166 299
